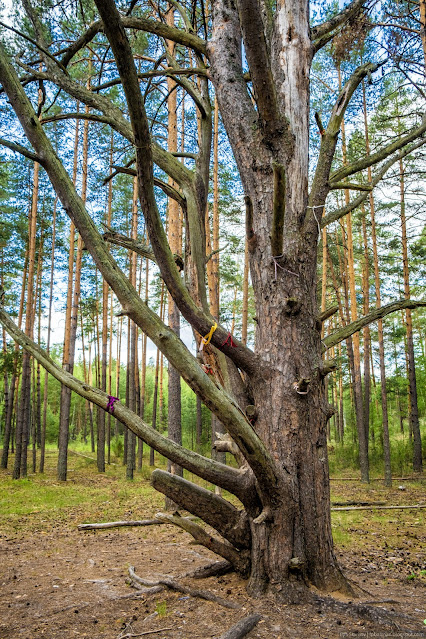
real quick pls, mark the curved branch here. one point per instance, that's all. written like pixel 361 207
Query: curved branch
pixel 378 313
pixel 240 560
pixel 322 180
pixel 169 190
pixel 113 237
pixel 168 72
pixel 36 44
pixel 165 339
pixel 228 478
pixel 200 320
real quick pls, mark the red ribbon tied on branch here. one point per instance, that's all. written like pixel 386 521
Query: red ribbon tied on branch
pixel 111 402
pixel 230 340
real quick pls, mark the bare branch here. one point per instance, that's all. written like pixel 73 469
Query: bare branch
pixel 166 340
pixel 36 44
pixel 378 313
pixel 354 186
pixel 113 237
pixel 240 560
pixel 230 479
pixel 382 154
pixel 201 321
pixel 321 182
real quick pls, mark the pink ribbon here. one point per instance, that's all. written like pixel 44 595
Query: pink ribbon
pixel 111 402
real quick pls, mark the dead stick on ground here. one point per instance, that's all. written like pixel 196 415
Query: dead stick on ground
pixel 380 507
pixel 118 524
pixel 147 632
pixel 174 585
pixel 242 628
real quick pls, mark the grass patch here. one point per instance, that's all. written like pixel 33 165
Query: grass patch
pixel 40 501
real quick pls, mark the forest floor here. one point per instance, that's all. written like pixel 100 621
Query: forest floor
pixel 57 582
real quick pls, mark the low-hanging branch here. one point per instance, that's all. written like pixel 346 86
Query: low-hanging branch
pixel 236 481
pixel 378 313
pixel 216 511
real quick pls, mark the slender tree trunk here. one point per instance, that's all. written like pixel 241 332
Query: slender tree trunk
pixel 49 330
pixel 385 419
pixel 174 418
pixel 65 393
pixel 412 383
pixel 24 413
pixel 366 331
pixel 155 394
pixel 14 384
pixel 357 380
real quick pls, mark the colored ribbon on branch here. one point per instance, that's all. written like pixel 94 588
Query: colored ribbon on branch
pixel 229 339
pixel 206 339
pixel 111 402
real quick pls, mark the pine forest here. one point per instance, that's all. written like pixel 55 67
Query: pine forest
pixel 213 270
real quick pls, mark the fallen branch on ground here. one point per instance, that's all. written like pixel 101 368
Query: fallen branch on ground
pixel 380 507
pixel 242 628
pixel 118 524
pixel 147 632
pixel 174 585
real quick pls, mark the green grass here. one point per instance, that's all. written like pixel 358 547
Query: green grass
pixel 40 500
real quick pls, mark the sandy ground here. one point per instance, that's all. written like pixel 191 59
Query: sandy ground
pixel 60 583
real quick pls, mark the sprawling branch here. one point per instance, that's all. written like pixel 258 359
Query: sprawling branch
pixel 382 154
pixel 333 216
pixel 230 522
pixel 378 313
pixel 165 339
pixel 233 480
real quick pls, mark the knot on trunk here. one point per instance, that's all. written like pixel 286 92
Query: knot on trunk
pixel 326 367
pixel 292 306
pixel 302 386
